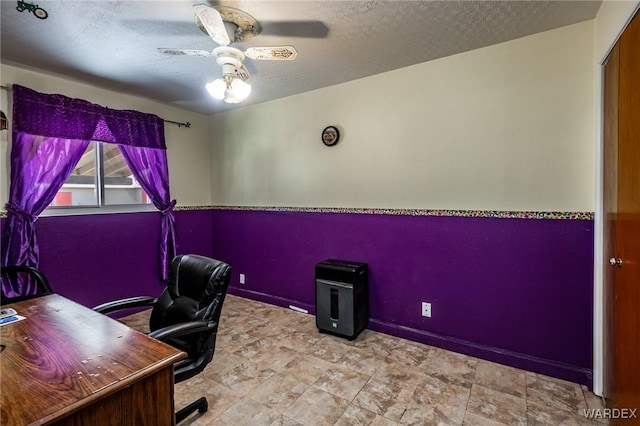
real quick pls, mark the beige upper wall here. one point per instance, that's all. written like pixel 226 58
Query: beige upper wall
pixel 187 149
pixel 612 17
pixel 507 127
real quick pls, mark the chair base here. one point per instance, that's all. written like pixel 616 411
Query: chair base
pixel 201 405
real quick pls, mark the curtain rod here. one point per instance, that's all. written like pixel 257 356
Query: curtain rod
pixel 178 123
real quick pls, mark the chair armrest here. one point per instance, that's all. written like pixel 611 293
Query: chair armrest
pixel 169 332
pixel 39 276
pixel 131 302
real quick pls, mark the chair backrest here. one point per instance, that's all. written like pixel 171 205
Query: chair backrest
pixel 196 290
pixel 19 282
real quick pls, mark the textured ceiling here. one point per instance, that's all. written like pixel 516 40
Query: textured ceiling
pixel 113 44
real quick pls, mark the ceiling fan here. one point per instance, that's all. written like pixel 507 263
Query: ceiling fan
pixel 218 23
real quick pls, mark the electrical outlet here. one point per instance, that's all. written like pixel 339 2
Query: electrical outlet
pixel 241 278
pixel 426 309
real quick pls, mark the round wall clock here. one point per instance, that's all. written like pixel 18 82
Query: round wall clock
pixel 330 136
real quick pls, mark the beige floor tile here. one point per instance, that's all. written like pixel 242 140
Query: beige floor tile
pixel 330 348
pixel 555 393
pixel 246 412
pixel 543 414
pixel 316 407
pixel 594 402
pixel 410 353
pixel 436 402
pixel 360 360
pixel 364 335
pixel 278 392
pixel 498 406
pixel 231 339
pixel 355 416
pixel 471 419
pixel 251 349
pixel 301 341
pixel 384 398
pixel 452 367
pixel 399 374
pixel 383 421
pixel 435 414
pixel 246 376
pixel 219 397
pixel 284 421
pixel 221 363
pixel 378 344
pixel 342 382
pixel 501 378
pixel 138 321
pixel 248 323
pixel 273 367
pixel 306 368
pixel 275 357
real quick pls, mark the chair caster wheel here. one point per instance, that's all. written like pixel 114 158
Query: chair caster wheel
pixel 204 407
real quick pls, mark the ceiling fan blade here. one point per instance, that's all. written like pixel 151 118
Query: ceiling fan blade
pixel 275 53
pixel 213 23
pixel 299 29
pixel 189 52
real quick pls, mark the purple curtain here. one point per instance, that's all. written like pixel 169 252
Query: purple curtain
pixel 39 119
pixel 39 167
pixel 149 166
pixel 57 115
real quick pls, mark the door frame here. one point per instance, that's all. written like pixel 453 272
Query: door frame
pixel 623 20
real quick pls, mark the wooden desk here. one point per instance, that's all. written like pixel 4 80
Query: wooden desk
pixel 68 365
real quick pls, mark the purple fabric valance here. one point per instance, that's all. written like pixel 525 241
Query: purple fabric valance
pixel 59 116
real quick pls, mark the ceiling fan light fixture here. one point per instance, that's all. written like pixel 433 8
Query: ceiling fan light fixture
pixel 240 88
pixel 217 88
pixel 229 89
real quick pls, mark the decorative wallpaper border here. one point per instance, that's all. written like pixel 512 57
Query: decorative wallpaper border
pixel 407 212
pixel 401 212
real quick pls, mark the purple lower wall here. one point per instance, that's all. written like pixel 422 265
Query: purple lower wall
pixel 101 257
pixel 515 291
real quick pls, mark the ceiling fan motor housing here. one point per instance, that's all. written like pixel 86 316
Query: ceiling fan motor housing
pixel 226 55
pixel 230 59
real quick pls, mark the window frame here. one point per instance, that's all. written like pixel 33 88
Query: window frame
pixel 99 191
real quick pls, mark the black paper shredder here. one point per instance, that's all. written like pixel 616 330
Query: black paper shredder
pixel 342 297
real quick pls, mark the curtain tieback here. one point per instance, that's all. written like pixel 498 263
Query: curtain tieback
pixel 13 209
pixel 169 209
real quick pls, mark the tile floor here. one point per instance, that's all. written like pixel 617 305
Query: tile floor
pixel 273 367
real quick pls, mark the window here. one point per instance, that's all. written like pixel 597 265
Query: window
pixel 101 178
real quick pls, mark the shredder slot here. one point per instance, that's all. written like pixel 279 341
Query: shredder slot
pixel 334 283
pixel 335 311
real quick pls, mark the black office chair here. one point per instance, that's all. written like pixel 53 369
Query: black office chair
pixel 22 283
pixel 186 315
